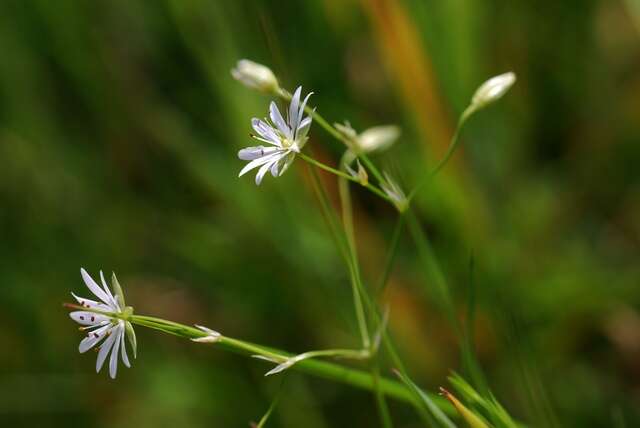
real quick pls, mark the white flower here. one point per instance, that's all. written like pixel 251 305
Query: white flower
pixel 105 323
pixel 286 138
pixel 255 76
pixel 492 90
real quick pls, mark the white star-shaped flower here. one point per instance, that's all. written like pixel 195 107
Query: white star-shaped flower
pixel 285 139
pixel 105 322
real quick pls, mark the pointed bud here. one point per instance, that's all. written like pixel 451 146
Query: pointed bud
pixel 395 193
pixel 361 175
pixel 378 138
pixel 492 90
pixel 211 337
pixel 255 76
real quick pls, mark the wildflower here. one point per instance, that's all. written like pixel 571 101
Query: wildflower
pixel 395 193
pixel 492 90
pixel 286 138
pixel 106 322
pixel 255 76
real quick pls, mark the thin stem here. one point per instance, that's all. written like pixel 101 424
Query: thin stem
pixel 453 144
pixel 324 369
pixel 391 255
pixel 345 176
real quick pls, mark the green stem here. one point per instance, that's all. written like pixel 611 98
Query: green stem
pixel 453 144
pixel 344 175
pixel 388 265
pixel 324 369
pixel 335 134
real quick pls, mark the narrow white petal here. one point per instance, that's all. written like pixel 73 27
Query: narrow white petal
pixel 288 160
pixel 257 162
pixel 277 120
pixel 303 128
pixel 266 131
pixel 87 318
pixel 125 358
pixel 115 353
pixel 88 303
pixel 94 287
pixel 274 168
pixel 114 303
pixel 105 348
pixel 262 171
pixel 301 110
pixel 93 338
pixel 294 106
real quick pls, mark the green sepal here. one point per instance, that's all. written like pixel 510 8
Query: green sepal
pixel 131 335
pixel 119 293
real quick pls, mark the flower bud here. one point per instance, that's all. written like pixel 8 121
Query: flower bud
pixel 360 175
pixel 395 193
pixel 378 138
pixel 492 90
pixel 255 76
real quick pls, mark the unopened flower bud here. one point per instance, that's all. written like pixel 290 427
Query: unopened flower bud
pixel 361 174
pixel 211 337
pixel 378 138
pixel 395 193
pixel 492 90
pixel 255 76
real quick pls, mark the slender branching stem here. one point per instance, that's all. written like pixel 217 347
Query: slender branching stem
pixel 344 175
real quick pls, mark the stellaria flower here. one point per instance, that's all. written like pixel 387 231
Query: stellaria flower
pixel 105 321
pixel 286 139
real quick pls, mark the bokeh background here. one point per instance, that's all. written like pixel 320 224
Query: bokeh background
pixel 119 127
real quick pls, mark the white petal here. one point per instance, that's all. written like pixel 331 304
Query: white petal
pixel 115 353
pixel 252 153
pixel 93 338
pixel 294 106
pixel 105 348
pixel 88 318
pixel 266 131
pixel 303 128
pixel 95 288
pixel 257 162
pixel 274 168
pixel 262 171
pixel 277 120
pixel 125 358
pixel 301 110
pixel 91 303
pixel 114 303
pixel 287 162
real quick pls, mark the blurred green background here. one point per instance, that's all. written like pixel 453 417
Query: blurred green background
pixel 119 128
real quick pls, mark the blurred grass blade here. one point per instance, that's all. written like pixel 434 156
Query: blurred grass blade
pixel 437 414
